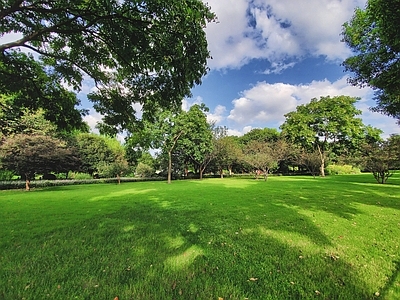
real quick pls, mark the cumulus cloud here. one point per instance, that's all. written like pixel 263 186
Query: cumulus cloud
pixel 92 119
pixel 217 116
pixel 277 30
pixel 266 104
pixel 187 103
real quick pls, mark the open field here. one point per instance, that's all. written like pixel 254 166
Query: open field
pixel 287 238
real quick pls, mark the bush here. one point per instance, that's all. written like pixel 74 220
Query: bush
pixel 19 184
pixel 6 175
pixel 79 176
pixel 342 169
pixel 144 170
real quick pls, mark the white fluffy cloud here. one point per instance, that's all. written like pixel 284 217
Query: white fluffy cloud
pixel 277 30
pixel 267 103
pixel 217 116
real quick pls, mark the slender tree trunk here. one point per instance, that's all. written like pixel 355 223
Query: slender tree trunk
pixel 118 179
pixel 27 182
pixel 265 175
pixel 221 172
pixel 169 165
pixel 230 170
pixel 201 173
pixel 322 168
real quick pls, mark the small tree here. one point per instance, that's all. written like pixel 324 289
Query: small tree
pixel 197 142
pixel 28 154
pixel 383 158
pixel 310 160
pixel 263 156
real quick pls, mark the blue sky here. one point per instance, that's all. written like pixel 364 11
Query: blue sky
pixel 269 56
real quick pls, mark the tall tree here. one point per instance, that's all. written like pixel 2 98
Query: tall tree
pixel 94 151
pixel 324 125
pixel 373 35
pixel 227 150
pixel 197 141
pixel 163 133
pixel 149 52
pixel 262 135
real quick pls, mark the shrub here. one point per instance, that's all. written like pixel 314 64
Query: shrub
pixel 144 170
pixel 19 184
pixel 6 175
pixel 78 176
pixel 342 169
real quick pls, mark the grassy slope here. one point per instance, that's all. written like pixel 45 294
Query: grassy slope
pixel 289 237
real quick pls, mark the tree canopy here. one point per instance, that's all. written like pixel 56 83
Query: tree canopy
pixel 325 124
pixel 373 35
pixel 149 52
pixel 27 85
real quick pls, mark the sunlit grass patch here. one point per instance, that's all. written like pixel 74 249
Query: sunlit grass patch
pixel 184 259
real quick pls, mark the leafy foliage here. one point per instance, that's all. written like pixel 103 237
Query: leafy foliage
pixel 327 125
pixel 196 142
pixel 334 169
pixel 264 156
pixel 374 37
pixel 30 86
pixel 27 154
pixel 149 52
pixel 227 152
pixel 383 158
pixel 144 170
pixel 102 155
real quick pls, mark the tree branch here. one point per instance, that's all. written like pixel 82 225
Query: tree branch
pixel 15 7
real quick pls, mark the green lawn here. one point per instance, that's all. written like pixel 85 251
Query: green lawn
pixel 287 238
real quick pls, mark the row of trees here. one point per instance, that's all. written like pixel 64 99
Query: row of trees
pixel 29 144
pixel 324 131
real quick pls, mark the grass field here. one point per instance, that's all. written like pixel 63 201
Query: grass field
pixel 288 238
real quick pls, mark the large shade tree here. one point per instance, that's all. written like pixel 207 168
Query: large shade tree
pixel 163 134
pixel 325 125
pixel 374 37
pixel 149 52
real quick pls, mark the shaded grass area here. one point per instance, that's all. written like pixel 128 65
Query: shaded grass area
pixel 287 238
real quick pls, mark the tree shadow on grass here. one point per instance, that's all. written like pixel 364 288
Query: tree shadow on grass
pixel 147 250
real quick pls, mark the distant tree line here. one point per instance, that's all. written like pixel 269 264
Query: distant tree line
pixel 316 135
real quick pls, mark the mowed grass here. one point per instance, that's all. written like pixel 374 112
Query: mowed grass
pixel 287 238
